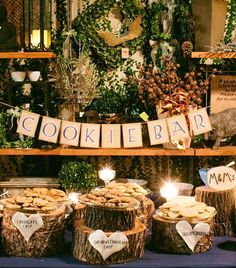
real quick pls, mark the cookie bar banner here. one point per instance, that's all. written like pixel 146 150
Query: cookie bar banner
pixel 89 135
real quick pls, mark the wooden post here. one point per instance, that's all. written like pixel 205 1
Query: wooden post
pixel 224 202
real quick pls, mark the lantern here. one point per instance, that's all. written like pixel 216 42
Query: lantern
pixel 37 24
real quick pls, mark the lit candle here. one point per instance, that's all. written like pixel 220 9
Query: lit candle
pixel 169 190
pixel 107 174
pixel 74 197
pixel 35 38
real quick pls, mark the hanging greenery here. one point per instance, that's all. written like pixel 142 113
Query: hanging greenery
pixel 5 118
pixel 230 25
pixel 61 17
pixel 95 18
pixel 183 26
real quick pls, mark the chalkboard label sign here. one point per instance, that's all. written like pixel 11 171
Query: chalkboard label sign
pixel 223 92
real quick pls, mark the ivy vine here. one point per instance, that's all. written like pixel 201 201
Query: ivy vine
pixel 230 24
pixel 89 22
pixel 61 17
pixel 4 135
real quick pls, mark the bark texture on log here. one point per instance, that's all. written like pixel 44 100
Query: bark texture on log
pixel 165 237
pixel 224 202
pixel 47 240
pixel 110 219
pixel 145 210
pixel 78 211
pixel 40 244
pixel 83 250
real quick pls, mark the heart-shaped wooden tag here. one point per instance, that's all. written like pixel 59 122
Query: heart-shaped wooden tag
pixel 190 235
pixel 27 225
pixel 106 246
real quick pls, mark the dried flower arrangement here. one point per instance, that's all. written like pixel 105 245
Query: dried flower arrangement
pixel 168 92
pixel 75 80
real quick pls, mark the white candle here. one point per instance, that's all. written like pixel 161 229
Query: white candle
pixel 169 190
pixel 74 197
pixel 107 174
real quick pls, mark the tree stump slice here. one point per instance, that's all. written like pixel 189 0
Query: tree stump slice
pixel 165 237
pixel 40 243
pixel 110 219
pixel 224 202
pixel 85 252
pixel 47 240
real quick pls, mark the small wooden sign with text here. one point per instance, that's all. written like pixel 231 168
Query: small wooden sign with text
pixel 223 92
pixel 107 246
pixel 221 178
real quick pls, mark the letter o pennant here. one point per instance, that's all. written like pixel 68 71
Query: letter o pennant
pixel 70 132
pixel 49 130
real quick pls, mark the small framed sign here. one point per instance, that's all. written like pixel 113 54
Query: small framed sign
pixel 125 53
pixel 223 92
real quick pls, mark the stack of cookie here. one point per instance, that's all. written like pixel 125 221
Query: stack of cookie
pixel 191 210
pixel 165 236
pixel 46 240
pixel 110 209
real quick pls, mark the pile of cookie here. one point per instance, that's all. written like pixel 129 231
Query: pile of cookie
pixel 189 209
pixel 36 199
pixel 115 194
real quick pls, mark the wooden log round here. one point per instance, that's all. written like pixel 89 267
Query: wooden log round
pixel 85 252
pixel 47 240
pixel 224 202
pixel 110 219
pixel 40 244
pixel 165 237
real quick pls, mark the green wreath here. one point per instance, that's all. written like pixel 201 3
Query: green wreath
pixel 93 19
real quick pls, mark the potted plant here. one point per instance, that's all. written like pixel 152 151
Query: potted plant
pixel 75 81
pixel 18 69
pixel 77 176
pixel 33 69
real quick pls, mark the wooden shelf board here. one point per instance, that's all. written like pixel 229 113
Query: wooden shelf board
pixel 126 152
pixel 98 152
pixel 11 151
pixel 27 55
pixel 149 151
pixel 222 151
pixel 214 55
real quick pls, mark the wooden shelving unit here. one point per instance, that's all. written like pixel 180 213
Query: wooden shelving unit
pixel 27 55
pixel 145 151
pixel 150 151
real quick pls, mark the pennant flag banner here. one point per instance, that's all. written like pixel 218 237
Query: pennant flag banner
pixel 89 135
